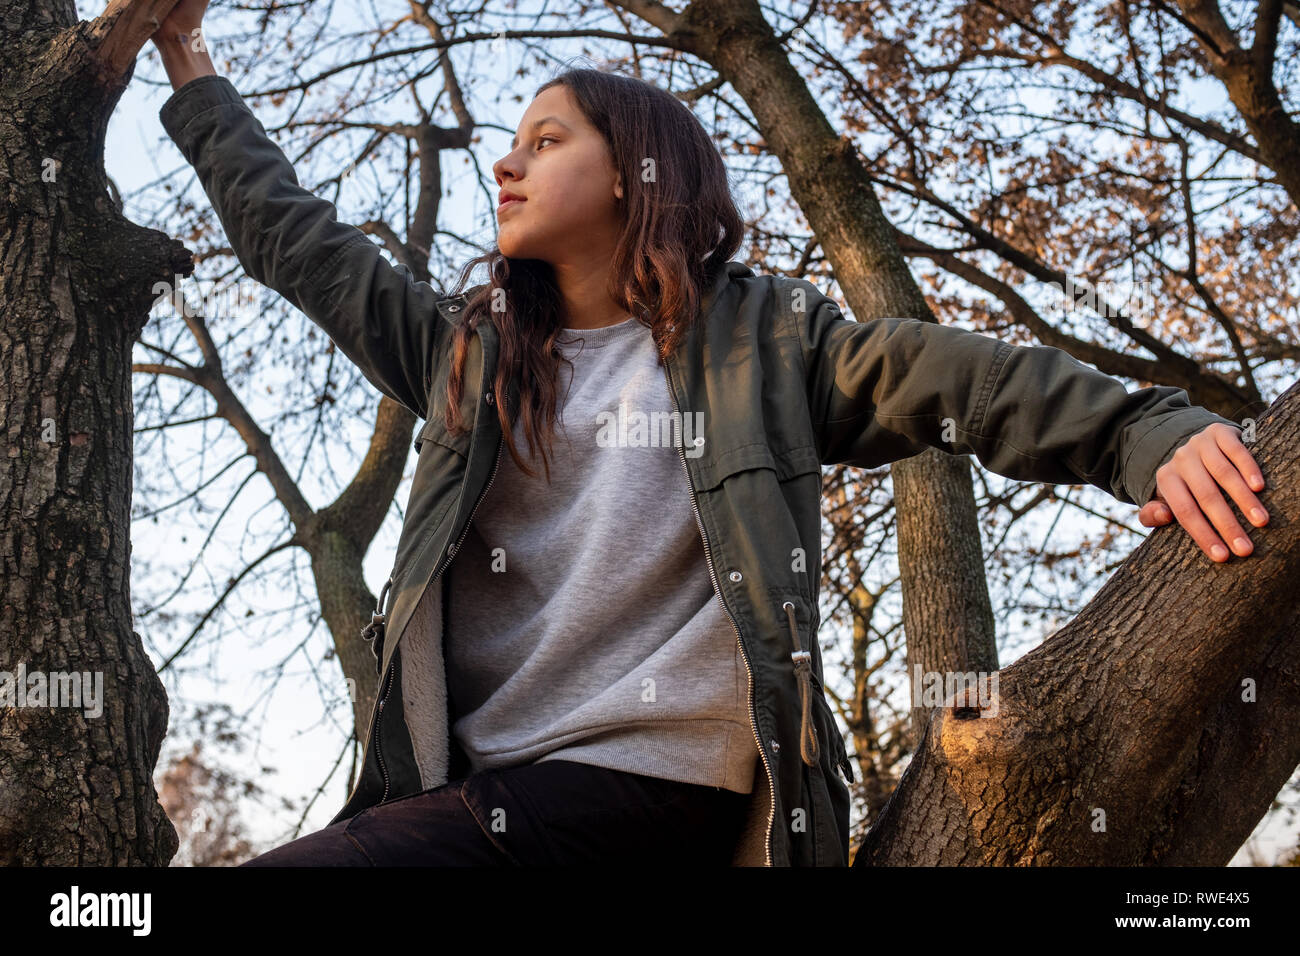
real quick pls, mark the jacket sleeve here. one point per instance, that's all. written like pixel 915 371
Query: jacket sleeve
pixel 886 389
pixel 290 240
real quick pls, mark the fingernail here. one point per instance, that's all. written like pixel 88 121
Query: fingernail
pixel 1258 514
pixel 1218 552
pixel 1242 545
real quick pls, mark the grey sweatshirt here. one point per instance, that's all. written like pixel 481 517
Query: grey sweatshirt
pixel 581 620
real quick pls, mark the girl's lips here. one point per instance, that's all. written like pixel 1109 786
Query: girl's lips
pixel 508 203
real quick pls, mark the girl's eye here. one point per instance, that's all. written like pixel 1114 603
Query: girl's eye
pixel 543 139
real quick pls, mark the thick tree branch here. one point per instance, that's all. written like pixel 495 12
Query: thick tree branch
pixel 122 30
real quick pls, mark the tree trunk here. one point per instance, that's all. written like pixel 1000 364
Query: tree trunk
pixel 76 285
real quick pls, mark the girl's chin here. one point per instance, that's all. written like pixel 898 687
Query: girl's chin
pixel 512 247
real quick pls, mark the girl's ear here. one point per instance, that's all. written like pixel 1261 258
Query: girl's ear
pixel 618 186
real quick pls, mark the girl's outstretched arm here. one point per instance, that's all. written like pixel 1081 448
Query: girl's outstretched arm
pixel 884 390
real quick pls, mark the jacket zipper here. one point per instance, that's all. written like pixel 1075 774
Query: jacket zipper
pixel 379 718
pixel 455 548
pixel 713 577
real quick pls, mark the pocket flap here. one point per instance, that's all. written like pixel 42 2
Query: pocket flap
pixel 786 464
pixel 435 430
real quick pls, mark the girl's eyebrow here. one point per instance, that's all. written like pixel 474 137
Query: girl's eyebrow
pixel 539 123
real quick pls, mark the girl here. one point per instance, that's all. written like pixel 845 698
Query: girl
pixel 604 647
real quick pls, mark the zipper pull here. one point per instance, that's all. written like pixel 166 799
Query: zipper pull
pixel 808 748
pixel 374 631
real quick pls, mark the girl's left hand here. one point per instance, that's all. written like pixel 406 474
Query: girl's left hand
pixel 1189 483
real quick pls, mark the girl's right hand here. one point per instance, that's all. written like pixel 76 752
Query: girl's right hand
pixel 186 17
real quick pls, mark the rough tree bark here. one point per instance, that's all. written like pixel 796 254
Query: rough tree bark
pixel 76 282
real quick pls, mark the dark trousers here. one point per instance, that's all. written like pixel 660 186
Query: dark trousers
pixel 551 813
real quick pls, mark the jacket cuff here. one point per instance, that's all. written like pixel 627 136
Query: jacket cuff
pixel 197 96
pixel 1157 446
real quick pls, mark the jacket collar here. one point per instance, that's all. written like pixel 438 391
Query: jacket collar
pixel 715 285
pixel 730 270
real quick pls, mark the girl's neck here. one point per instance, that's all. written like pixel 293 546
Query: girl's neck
pixel 584 294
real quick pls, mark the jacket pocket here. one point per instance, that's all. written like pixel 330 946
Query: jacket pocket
pixel 435 431
pixel 715 469
pixel 795 462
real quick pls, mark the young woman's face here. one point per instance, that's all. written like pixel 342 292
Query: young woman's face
pixel 561 167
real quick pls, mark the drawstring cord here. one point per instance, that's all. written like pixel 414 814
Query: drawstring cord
pixel 803 672
pixel 375 629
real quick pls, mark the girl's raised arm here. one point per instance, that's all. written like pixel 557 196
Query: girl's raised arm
pixel 290 240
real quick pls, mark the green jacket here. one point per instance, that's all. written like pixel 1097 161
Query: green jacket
pixel 786 384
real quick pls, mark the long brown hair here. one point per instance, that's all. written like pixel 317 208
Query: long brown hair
pixel 680 227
